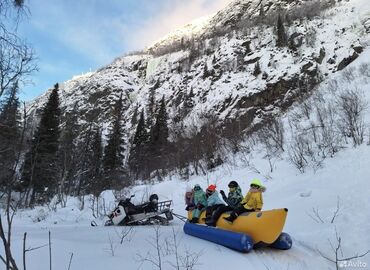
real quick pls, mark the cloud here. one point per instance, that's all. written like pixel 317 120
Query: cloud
pixel 174 15
pixel 73 36
pixel 100 32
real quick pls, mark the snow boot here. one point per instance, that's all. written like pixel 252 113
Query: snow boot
pixel 210 222
pixel 231 218
pixel 194 220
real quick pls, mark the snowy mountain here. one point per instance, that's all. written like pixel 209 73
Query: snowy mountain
pixel 326 205
pixel 214 69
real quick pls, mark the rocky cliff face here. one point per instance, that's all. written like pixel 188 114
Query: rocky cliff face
pixel 228 69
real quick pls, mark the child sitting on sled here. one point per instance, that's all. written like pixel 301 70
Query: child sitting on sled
pixel 252 201
pixel 200 202
pixel 189 199
pixel 234 198
pixel 214 203
pixel 233 201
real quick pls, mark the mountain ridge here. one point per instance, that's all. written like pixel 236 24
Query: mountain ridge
pixel 213 80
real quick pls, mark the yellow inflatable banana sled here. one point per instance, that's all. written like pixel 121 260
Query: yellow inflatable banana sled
pixel 263 227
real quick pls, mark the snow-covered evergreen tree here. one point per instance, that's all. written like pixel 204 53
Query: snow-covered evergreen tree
pixel 138 158
pixel 9 135
pixel 40 170
pixel 113 152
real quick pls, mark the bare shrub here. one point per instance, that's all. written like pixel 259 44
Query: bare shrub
pixel 303 151
pixel 352 106
pixel 156 259
pixel 333 86
pixel 97 205
pixel 112 246
pixel 329 140
pixel 70 261
pixel 316 216
pixel 233 135
pixel 166 253
pixel 297 152
pixel 311 37
pixel 29 249
pixel 337 256
pixel 364 69
pixel 183 260
pixel 348 74
pixel 125 234
pixel 271 136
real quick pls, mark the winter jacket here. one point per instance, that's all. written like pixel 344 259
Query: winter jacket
pixel 189 198
pixel 253 200
pixel 234 198
pixel 200 197
pixel 214 199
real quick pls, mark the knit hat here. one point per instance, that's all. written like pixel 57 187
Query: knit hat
pixel 188 188
pixel 256 182
pixel 233 184
pixel 211 187
pixel 197 187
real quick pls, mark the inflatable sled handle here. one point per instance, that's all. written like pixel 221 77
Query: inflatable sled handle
pixel 237 241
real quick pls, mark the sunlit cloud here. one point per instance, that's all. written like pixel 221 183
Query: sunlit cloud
pixel 89 30
pixel 173 16
pixel 72 37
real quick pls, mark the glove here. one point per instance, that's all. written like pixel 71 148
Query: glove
pixel 200 206
pixel 223 194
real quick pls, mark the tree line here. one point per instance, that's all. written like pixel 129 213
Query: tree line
pixel 58 160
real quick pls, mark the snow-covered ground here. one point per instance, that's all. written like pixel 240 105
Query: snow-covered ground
pixel 345 177
pixel 340 188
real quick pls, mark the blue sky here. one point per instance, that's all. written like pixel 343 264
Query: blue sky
pixel 72 37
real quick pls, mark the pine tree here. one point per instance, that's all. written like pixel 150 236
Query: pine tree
pixel 159 138
pixel 113 152
pixel 151 104
pixel 189 102
pixel 282 39
pixel 83 161
pixel 206 72
pixel 262 11
pixel 134 116
pixel 214 60
pixel 9 135
pixel 137 159
pixel 159 134
pixel 257 69
pixel 68 153
pixel 40 170
pixel 96 183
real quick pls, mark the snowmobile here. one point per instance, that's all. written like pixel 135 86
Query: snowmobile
pixel 152 212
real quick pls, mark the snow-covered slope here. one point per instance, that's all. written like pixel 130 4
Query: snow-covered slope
pixel 219 80
pixel 323 203
pixel 216 72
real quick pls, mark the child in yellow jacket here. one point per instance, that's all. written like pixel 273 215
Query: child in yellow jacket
pixel 252 202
